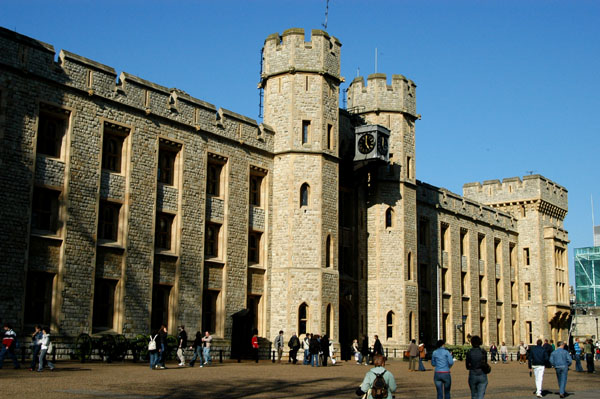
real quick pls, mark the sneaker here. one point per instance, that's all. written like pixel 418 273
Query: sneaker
pixel 205 362
pixel 539 395
pixel 181 364
pixel 201 365
pixel 161 367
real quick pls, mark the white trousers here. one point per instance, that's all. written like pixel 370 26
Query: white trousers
pixel 538 373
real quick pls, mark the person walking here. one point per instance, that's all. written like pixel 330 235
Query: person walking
pixel 560 359
pixel 314 348
pixel 356 351
pixel 577 348
pixel 294 345
pixel 332 352
pixel 494 353
pixel 162 348
pixel 364 349
pixel 153 349
pixel 503 352
pixel 206 345
pixel 548 348
pixel 45 348
pixel 422 354
pixel 254 343
pixel 369 382
pixel 522 353
pixel 442 361
pixel 197 348
pixel 306 349
pixel 588 349
pixel 36 337
pixel 475 361
pixel 9 342
pixel 278 343
pixel 413 352
pixel 324 346
pixel 182 344
pixel 377 347
pixel 537 359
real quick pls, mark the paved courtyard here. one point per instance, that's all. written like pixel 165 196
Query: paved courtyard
pixel 231 380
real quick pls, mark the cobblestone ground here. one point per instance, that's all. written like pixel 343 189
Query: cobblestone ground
pixel 231 380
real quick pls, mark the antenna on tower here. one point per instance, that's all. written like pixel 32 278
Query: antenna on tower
pixel 530 172
pixel 326 15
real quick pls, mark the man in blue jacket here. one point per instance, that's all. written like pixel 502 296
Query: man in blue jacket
pixel 560 359
pixel 537 360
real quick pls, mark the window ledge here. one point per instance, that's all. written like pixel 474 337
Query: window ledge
pixel 499 301
pixel 466 297
pixel 258 266
pixel 110 244
pixel 446 294
pixel 215 260
pixel 46 234
pixel 483 299
pixel 112 172
pixel 59 158
pixel 165 252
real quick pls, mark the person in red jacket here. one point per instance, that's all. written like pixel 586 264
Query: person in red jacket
pixel 255 345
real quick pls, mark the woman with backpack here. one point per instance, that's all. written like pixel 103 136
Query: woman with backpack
pixel 478 367
pixel 153 350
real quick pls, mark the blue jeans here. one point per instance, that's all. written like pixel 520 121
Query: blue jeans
pixel 503 358
pixel 206 353
pixel 315 360
pixel 306 360
pixel 163 355
pixel 477 383
pixel 153 358
pixel 43 359
pixel 578 363
pixel 197 355
pixel 421 367
pixel 35 354
pixel 443 383
pixel 11 353
pixel 561 376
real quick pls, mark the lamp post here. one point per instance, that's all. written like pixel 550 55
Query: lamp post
pixel 596 328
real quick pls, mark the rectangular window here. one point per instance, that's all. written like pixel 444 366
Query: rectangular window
pixel 305 132
pixel 164 231
pixel 464 243
pixel 513 293
pixel 464 283
pixel 444 237
pixel 168 153
pixel 482 287
pixel 254 247
pixel 256 182
pixel 108 221
pixel 161 295
pixel 44 210
pixel 38 298
pixel 104 304
pixel 213 179
pixel 423 231
pixel 528 291
pixel 498 289
pixel 408 168
pixel 497 252
pixel 444 280
pixel 481 247
pixel 113 147
pixel 52 128
pixel 529 330
pixel 210 300
pixel 526 256
pixel 211 248
pixel 329 137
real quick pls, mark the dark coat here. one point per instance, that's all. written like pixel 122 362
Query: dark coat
pixel 537 356
pixel 364 349
pixel 325 346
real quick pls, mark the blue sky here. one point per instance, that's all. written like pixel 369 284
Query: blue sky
pixel 504 87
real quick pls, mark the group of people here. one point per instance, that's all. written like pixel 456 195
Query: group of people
pixel 157 348
pixel 40 347
pixel 317 350
pixel 365 352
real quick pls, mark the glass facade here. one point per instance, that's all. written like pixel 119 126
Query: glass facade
pixel 587 276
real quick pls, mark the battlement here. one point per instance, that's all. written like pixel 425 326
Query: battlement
pixel 449 202
pixel 515 190
pixel 23 55
pixel 378 96
pixel 290 53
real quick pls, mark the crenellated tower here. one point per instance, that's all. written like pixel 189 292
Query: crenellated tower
pixel 301 89
pixel 390 284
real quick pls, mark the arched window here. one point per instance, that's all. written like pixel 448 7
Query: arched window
pixel 390 324
pixel 302 318
pixel 411 325
pixel 409 268
pixel 304 194
pixel 389 218
pixel 328 251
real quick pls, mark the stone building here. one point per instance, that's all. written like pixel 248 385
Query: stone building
pixel 127 205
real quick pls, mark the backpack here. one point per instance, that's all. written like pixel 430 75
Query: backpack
pixel 152 343
pixel 379 388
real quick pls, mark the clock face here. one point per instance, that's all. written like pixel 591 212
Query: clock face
pixel 366 143
pixel 382 145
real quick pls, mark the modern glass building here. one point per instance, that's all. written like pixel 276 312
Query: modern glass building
pixel 587 276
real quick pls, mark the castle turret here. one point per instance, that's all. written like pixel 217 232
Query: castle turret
pixel 540 206
pixel 391 285
pixel 301 85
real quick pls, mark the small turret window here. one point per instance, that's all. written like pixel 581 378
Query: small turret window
pixel 304 194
